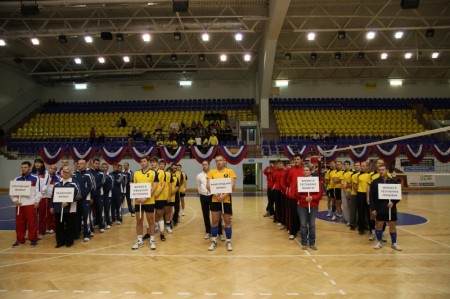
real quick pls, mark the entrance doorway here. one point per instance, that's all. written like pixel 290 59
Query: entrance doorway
pixel 252 180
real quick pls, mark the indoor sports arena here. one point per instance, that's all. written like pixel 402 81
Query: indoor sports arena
pixel 224 149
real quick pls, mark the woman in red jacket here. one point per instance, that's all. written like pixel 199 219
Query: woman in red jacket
pixel 308 219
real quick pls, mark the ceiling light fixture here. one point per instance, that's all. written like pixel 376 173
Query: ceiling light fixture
pixel 429 32
pixel 223 57
pixel 201 57
pixel 177 36
pixel 370 35
pixel 408 55
pixel 398 34
pixel 126 59
pixel 185 83
pixel 119 37
pixel 173 57
pixel 205 37
pixel 281 83
pixel 337 55
pixel 384 56
pixel 146 37
pixel 35 41
pixel 2 42
pixel 313 56
pixel 238 36
pixel 395 82
pixel 247 57
pixel 149 58
pixel 341 35
pixel 311 36
pixel 287 56
pixel 435 55
pixel 361 55
pixel 77 60
pixel 80 86
pixel 88 39
pixel 101 60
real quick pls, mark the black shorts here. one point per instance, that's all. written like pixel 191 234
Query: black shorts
pixel 160 204
pixel 146 208
pixel 385 217
pixel 217 207
pixel 182 194
pixel 329 193
pixel 337 193
pixel 171 204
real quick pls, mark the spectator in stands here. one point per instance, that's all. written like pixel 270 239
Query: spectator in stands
pixel 147 137
pixel 139 133
pixel 158 129
pixel 123 122
pixel 333 136
pixel 316 136
pixel 133 133
pixel 92 138
pixel 205 145
pixel 173 146
pixel 326 137
pixel 213 140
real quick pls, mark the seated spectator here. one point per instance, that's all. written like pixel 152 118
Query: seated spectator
pixel 205 145
pixel 316 136
pixel 167 142
pixel 147 137
pixel 191 141
pixel 160 141
pixel 139 133
pixel 159 128
pixel 130 141
pixel 333 136
pixel 133 133
pixel 213 140
pixel 173 146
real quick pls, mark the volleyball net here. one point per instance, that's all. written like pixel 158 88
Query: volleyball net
pixel 423 157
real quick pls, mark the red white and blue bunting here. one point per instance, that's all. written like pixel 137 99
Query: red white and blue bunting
pixel 290 152
pixel 443 155
pixel 113 157
pixel 234 158
pixel 388 155
pixel 200 157
pixel 361 154
pixel 50 158
pixel 169 158
pixel 76 155
pixel 415 156
pixel 137 155
pixel 331 156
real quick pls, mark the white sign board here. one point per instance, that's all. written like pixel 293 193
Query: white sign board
pixel 390 191
pixel 62 194
pixel 308 184
pixel 20 188
pixel 140 190
pixel 220 186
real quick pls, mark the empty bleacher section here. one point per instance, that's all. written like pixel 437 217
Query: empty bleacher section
pixel 60 124
pixel 353 120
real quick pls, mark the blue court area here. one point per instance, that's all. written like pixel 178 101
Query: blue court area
pixel 404 219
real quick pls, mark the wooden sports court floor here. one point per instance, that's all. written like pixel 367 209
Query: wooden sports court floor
pixel 263 264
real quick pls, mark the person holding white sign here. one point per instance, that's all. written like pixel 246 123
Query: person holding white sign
pixel 307 207
pixel 65 224
pixel 147 205
pixel 26 207
pixel 380 209
pixel 221 202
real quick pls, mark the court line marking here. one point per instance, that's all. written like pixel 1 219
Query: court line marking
pixel 9 251
pixel 420 236
pixel 342 292
pixel 333 282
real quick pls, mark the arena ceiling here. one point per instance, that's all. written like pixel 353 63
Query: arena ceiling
pixel 274 34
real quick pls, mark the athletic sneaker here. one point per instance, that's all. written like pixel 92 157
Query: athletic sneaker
pixel 91 234
pixel 396 247
pixel 152 245
pixel 182 213
pixel 169 229
pixel 51 231
pixel 139 244
pixel 119 222
pixel 229 246
pixel 379 245
pixel 267 214
pixel 86 239
pixel 162 237
pixel 372 237
pixel 333 218
pixel 222 237
pixel 212 245
pixel 34 244
pixel 133 215
pixel 279 224
pixel 40 237
pixel 329 213
pixel 291 237
pixel 207 236
pixel 108 226
pixel 313 247
pixel 102 230
pixel 17 244
pixel 304 247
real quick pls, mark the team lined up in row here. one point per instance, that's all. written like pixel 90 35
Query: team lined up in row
pixel 352 199
pixel 98 198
